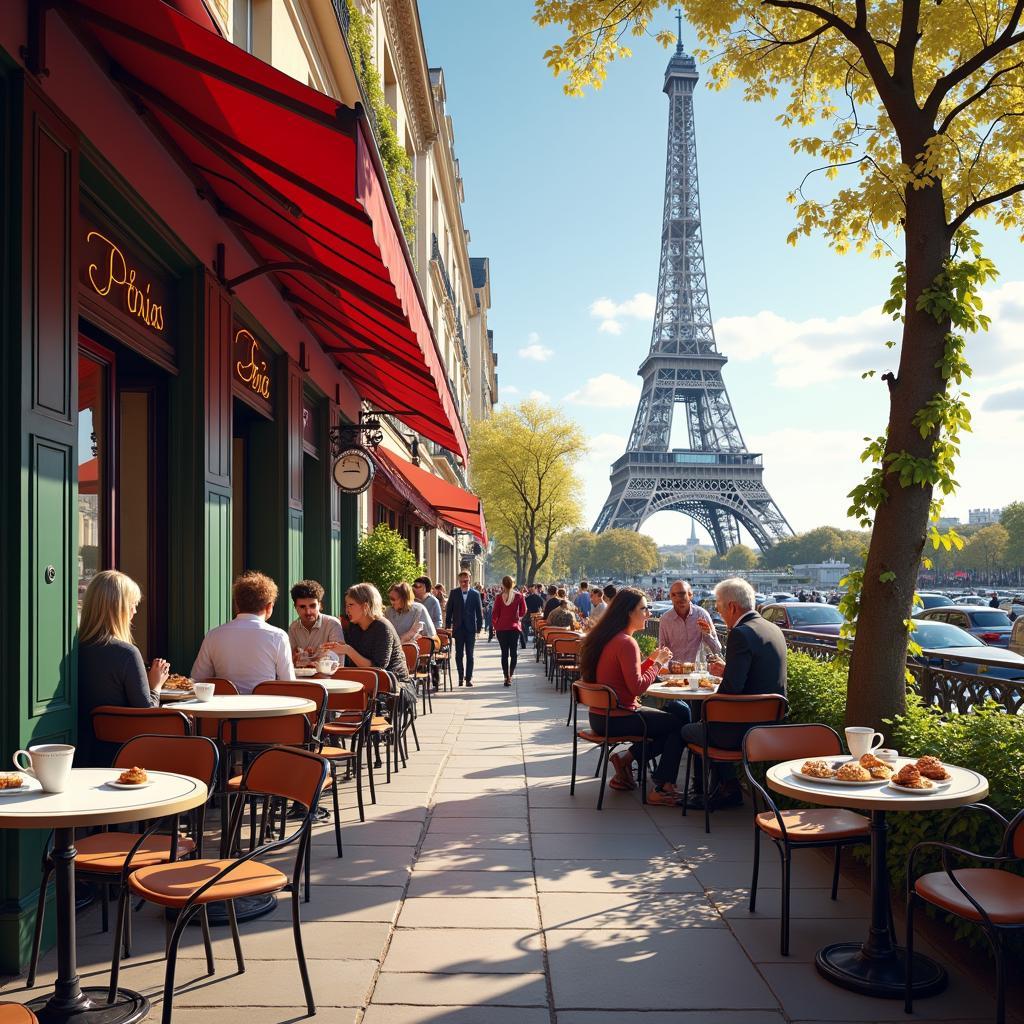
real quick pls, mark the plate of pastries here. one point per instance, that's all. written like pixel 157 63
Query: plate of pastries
pixel 178 684
pixel 921 776
pixel 132 778
pixel 13 784
pixel 867 771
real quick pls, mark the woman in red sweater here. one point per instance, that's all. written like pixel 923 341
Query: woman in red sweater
pixel 610 656
pixel 506 618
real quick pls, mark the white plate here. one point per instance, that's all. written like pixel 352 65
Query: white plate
pixel 20 791
pixel 897 788
pixel 304 673
pixel 838 782
pixel 114 784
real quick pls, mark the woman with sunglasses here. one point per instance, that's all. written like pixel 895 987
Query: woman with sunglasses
pixel 611 657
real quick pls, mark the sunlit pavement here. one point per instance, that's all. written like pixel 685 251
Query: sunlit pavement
pixel 479 892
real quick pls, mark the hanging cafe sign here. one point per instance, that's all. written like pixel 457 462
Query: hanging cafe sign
pixel 252 365
pixel 120 278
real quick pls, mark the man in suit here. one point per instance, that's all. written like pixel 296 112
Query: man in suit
pixel 755 662
pixel 464 616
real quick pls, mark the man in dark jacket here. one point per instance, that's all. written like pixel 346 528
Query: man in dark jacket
pixel 464 616
pixel 755 663
pixel 534 603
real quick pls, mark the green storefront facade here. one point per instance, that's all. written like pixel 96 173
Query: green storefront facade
pixel 151 420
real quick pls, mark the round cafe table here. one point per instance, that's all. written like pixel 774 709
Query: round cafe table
pixel 233 708
pixel 876 966
pixel 88 801
pixel 662 692
pixel 333 685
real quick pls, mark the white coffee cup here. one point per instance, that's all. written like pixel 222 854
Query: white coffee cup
pixel 203 691
pixel 860 739
pixel 49 763
pixel 887 754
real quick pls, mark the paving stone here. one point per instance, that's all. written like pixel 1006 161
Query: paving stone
pixel 456 1015
pixel 814 903
pixel 615 876
pixel 465 951
pixel 673 1017
pixel 474 858
pixel 469 912
pixel 485 884
pixel 455 989
pixel 598 847
pixel 665 912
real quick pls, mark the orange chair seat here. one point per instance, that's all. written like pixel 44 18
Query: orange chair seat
pixel 336 753
pixel 235 784
pixel 715 753
pixel 15 1013
pixel 1000 893
pixel 814 825
pixel 170 885
pixel 106 851
pixel 596 737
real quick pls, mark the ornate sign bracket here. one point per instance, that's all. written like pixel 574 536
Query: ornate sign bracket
pixel 367 433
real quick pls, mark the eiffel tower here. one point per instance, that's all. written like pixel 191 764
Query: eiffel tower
pixel 715 481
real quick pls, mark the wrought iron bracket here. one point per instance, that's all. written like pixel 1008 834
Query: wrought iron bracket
pixel 367 433
pixel 34 54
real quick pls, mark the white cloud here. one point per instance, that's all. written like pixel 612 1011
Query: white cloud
pixel 537 353
pixel 509 389
pixel 539 396
pixel 611 313
pixel 605 390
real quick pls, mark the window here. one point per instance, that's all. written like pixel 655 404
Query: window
pixel 94 390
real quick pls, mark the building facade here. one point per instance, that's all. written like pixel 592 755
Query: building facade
pixel 984 516
pixel 205 282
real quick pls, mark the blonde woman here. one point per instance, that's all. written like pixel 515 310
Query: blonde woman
pixel 110 668
pixel 506 617
pixel 407 615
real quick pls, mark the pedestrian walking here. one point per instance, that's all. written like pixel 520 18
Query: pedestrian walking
pixel 507 614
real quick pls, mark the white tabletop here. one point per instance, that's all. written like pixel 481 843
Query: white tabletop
pixel 88 800
pixel 965 787
pixel 334 685
pixel 663 692
pixel 246 705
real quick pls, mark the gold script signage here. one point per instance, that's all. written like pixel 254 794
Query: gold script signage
pixel 111 271
pixel 252 364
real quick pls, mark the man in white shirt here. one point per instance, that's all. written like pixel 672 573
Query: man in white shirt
pixel 247 650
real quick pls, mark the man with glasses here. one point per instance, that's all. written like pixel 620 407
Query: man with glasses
pixel 687 626
pixel 464 616
pixel 421 589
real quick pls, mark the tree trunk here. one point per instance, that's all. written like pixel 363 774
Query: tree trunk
pixel 877 686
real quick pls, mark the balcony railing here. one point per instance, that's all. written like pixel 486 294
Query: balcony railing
pixel 435 255
pixel 341 13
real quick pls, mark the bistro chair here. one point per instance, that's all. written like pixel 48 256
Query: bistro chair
pixel 221 688
pixel 286 773
pixel 425 668
pixel 601 700
pixel 443 658
pixel 103 857
pixel 734 709
pixel 16 1013
pixel 551 636
pixel 989 896
pixel 565 655
pixel 114 724
pixel 802 829
pixel 379 728
pixel 413 656
pixel 350 722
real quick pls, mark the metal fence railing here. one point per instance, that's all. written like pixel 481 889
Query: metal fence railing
pixel 937 682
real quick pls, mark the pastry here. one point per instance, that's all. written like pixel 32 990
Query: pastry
pixel 909 777
pixel 177 683
pixel 11 780
pixel 869 761
pixel 932 768
pixel 133 776
pixel 676 684
pixel 880 771
pixel 817 769
pixel 853 772
pixel 706 684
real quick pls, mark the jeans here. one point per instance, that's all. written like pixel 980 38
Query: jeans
pixel 464 644
pixel 663 738
pixel 508 640
pixel 525 623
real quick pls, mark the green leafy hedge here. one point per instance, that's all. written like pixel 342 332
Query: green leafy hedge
pixel 385 559
pixel 988 740
pixel 646 643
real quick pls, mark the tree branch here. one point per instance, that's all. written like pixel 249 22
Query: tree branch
pixel 906 44
pixel 1004 41
pixel 980 204
pixel 964 104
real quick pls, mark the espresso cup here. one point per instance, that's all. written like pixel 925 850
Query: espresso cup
pixel 203 691
pixel 860 740
pixel 49 764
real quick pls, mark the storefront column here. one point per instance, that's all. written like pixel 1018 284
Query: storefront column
pixel 38 456
pixel 200 597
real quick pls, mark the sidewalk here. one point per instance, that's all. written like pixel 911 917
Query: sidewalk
pixel 479 892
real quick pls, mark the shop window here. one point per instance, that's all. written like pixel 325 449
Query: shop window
pixel 94 401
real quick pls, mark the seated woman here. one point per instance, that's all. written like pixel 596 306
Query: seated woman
pixel 408 616
pixel 372 642
pixel 610 656
pixel 110 668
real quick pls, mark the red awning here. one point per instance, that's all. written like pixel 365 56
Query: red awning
pixel 452 504
pixel 405 491
pixel 296 175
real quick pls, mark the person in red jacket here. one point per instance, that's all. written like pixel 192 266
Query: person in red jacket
pixel 610 656
pixel 506 616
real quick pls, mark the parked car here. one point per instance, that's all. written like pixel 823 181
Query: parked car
pixel 804 615
pixel 1014 606
pixel 959 651
pixel 708 604
pixel 659 608
pixel 783 596
pixel 930 600
pixel 989 625
pixel 1017 637
pixel 969 599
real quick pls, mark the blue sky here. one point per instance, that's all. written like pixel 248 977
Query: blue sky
pixel 565 197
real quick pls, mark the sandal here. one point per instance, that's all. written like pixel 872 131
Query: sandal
pixel 616 782
pixel 663 797
pixel 623 778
